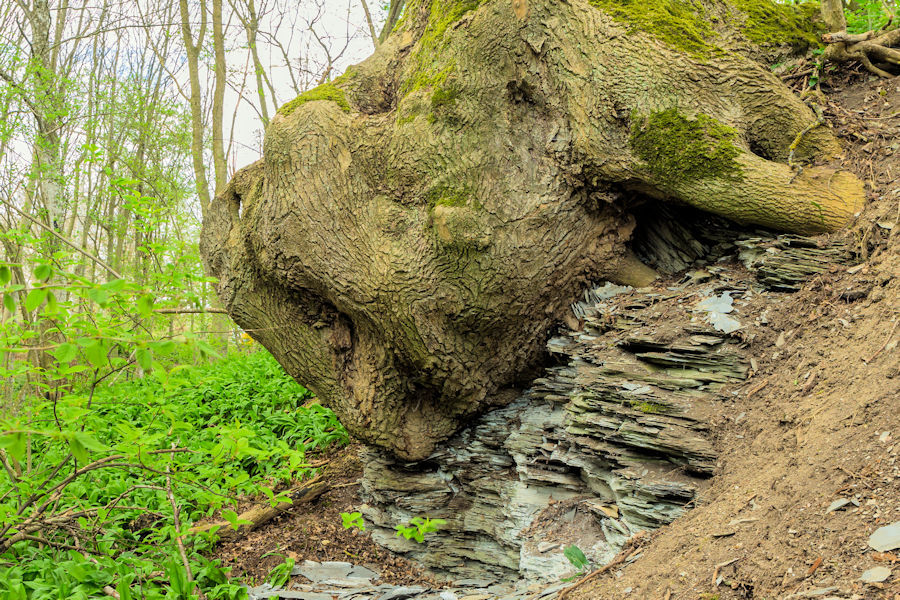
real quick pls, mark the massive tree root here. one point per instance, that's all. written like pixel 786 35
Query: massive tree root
pixel 416 228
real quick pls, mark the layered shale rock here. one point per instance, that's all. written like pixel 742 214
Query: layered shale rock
pixel 614 440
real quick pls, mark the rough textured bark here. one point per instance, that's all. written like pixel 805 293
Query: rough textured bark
pixel 416 228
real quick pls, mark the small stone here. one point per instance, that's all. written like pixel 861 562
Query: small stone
pixel 837 505
pixel 402 593
pixel 362 573
pixel 475 583
pixel 875 575
pixel 884 437
pixel 315 571
pixel 886 538
pixel 447 595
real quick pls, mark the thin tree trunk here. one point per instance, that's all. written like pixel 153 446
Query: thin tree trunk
pixel 192 51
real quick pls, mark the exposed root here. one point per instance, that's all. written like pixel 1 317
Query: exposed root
pixel 877 51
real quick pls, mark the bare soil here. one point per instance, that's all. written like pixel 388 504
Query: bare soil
pixel 818 421
pixel 315 531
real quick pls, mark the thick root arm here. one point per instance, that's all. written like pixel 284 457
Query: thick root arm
pixel 812 200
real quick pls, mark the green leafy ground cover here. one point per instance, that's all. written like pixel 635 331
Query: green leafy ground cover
pixel 94 510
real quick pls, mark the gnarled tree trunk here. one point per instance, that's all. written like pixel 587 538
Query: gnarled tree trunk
pixel 416 228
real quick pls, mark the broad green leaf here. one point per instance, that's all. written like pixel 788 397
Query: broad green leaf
pixel 114 286
pixel 163 347
pixel 207 350
pixel 5 275
pixel 98 295
pixel 15 444
pixel 145 305
pixel 34 299
pixel 144 358
pixel 8 303
pixel 87 441
pixel 65 352
pixel 42 272
pixel 52 306
pixel 78 450
pixel 96 354
pixel 576 557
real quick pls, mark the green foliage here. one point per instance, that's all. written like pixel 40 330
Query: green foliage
pixel 418 527
pixel 578 560
pixel 281 574
pixel 867 15
pixel 99 462
pixel 327 91
pixel 675 147
pixel 351 520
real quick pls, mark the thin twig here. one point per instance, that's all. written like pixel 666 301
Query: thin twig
pixel 720 566
pixel 884 345
pixel 177 522
pixel 67 242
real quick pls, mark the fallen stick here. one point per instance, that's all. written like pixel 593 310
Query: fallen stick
pixel 263 513
pixel 720 566
pixel 884 345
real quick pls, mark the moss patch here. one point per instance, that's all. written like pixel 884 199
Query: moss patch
pixel 651 408
pixel 326 91
pixel 680 24
pixel 448 196
pixel 675 147
pixel 430 71
pixel 769 23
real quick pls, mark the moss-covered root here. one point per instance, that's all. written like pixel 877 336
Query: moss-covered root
pixel 815 200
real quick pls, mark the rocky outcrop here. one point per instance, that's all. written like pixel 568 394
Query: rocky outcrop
pixel 612 441
pixel 617 437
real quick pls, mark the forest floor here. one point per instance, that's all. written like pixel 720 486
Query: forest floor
pixel 818 422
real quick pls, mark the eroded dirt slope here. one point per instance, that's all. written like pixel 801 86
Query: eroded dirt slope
pixel 818 422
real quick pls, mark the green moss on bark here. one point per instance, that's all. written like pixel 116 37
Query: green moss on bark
pixel 448 196
pixel 675 147
pixel 326 91
pixel 685 24
pixel 430 70
pixel 770 24
pixel 680 24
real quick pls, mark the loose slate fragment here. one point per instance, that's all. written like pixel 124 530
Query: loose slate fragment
pixel 875 575
pixel 717 307
pixel 886 538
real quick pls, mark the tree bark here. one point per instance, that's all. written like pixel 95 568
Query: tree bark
pixel 417 228
pixel 192 51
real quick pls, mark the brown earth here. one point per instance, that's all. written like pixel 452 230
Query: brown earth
pixel 315 531
pixel 818 421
